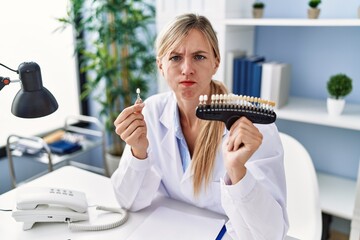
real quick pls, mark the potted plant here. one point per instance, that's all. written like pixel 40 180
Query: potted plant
pixel 258 9
pixel 338 87
pixel 313 10
pixel 117 55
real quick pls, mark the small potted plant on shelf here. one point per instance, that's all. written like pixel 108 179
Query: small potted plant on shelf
pixel 313 10
pixel 258 9
pixel 338 87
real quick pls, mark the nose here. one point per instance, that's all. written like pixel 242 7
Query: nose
pixel 187 67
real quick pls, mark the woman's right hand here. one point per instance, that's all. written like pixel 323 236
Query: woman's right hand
pixel 131 127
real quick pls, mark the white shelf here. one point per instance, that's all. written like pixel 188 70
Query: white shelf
pixel 314 112
pixel 337 195
pixel 62 160
pixel 293 22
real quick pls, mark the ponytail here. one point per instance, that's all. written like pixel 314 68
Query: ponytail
pixel 207 145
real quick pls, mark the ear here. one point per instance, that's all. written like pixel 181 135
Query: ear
pixel 216 66
pixel 159 65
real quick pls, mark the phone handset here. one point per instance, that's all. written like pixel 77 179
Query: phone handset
pixel 59 205
pixel 30 198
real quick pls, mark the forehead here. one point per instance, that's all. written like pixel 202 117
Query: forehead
pixel 195 40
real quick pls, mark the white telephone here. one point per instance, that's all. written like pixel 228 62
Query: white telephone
pixel 58 205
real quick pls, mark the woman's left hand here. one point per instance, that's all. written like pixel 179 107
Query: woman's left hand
pixel 244 139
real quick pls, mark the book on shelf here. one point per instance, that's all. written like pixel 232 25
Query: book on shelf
pixel 229 72
pixel 238 75
pixel 266 80
pixel 250 83
pixel 243 75
pixel 256 80
pixel 275 82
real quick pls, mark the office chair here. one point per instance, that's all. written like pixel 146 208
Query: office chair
pixel 303 204
pixel 355 222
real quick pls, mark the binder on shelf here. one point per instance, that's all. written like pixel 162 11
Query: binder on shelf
pixel 229 71
pixel 275 82
pixel 251 62
pixel 256 80
pixel 243 77
pixel 244 73
pixel 239 75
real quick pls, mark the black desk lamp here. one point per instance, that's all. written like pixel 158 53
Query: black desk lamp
pixel 32 100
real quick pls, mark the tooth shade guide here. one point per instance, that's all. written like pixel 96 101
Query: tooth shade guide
pixel 230 107
pixel 201 100
pixel 232 100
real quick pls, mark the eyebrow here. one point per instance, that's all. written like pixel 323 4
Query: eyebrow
pixel 194 53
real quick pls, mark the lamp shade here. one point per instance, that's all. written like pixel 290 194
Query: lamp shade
pixel 32 100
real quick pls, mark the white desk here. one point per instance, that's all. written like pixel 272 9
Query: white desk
pixel 99 191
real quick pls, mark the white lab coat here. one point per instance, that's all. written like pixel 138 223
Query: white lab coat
pixel 255 206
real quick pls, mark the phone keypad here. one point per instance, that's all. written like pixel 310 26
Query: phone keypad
pixel 61 191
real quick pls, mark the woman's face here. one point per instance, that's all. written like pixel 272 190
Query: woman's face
pixel 189 68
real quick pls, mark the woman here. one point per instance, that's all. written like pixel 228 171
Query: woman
pixel 238 172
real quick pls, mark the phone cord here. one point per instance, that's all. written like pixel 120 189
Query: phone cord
pixel 83 227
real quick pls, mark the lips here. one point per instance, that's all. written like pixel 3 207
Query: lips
pixel 187 83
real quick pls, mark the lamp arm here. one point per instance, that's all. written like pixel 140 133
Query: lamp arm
pixel 3 82
pixel 6 81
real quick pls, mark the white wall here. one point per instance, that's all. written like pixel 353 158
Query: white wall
pixel 27 34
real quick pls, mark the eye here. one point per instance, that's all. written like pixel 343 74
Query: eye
pixel 199 57
pixel 175 58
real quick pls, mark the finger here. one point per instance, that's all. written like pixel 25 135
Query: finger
pixel 132 127
pixel 128 123
pixel 241 120
pixel 134 138
pixel 249 137
pixel 136 108
pixel 242 131
pixel 238 143
pixel 238 138
pixel 234 135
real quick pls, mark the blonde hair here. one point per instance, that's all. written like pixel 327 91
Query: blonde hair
pixel 210 136
pixel 207 145
pixel 172 35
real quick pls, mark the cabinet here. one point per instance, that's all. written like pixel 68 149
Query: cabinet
pixel 92 135
pixel 337 194
pixel 298 109
pixel 236 31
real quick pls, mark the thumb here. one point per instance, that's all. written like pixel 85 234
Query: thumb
pixel 138 107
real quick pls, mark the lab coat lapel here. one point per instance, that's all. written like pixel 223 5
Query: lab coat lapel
pixel 170 147
pixel 188 173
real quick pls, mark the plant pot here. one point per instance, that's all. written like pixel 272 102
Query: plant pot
pixel 313 13
pixel 335 106
pixel 112 162
pixel 258 12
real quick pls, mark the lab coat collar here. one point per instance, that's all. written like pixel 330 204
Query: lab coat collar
pixel 167 116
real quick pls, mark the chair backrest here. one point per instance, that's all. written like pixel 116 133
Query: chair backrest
pixel 303 204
